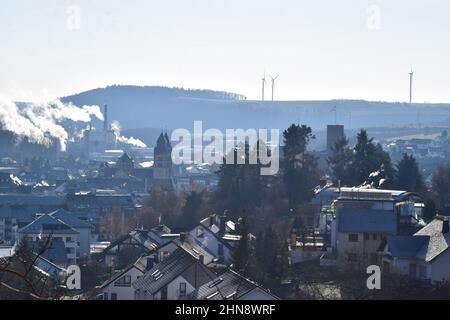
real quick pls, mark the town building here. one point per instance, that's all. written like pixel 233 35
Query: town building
pixel 84 230
pixel 217 235
pixel 46 226
pixel 119 286
pixel 363 218
pixel 423 256
pixel 174 278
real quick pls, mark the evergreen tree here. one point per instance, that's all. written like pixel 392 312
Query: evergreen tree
pixel 241 185
pixel 300 170
pixel 430 210
pixel 364 160
pixel 408 176
pixel 369 158
pixel 341 162
pixel 384 163
pixel 441 186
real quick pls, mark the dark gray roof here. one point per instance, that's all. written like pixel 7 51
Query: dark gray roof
pixel 366 220
pixel 47 224
pixel 228 286
pixel 406 246
pixel 179 263
pixel 70 219
pixel 191 245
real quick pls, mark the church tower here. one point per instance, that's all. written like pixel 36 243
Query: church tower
pixel 162 167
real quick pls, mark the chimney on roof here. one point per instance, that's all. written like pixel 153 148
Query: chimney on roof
pixel 445 226
pixel 201 258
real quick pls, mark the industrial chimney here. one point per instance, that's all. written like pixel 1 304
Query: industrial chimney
pixel 105 116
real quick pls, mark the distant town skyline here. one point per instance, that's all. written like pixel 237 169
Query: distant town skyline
pixel 336 50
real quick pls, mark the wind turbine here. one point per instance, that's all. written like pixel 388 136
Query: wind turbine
pixel 410 85
pixel 264 82
pixel 273 83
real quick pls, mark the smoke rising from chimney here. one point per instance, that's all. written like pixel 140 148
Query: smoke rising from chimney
pixel 43 122
pixel 115 126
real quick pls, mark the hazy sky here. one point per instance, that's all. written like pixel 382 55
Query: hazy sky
pixel 322 49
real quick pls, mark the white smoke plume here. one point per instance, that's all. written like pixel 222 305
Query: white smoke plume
pixel 115 126
pixel 12 120
pixel 43 122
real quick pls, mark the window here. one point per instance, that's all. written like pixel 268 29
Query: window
pixel 105 296
pixel 366 236
pixel 124 281
pixel 182 289
pixel 375 236
pixel 113 296
pixel 353 237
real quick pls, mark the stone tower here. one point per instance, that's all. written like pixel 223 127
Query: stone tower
pixel 162 167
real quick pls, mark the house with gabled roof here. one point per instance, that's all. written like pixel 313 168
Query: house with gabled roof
pixel 217 235
pixel 424 256
pixel 144 241
pixel 231 286
pixel 119 287
pixel 84 228
pixel 188 243
pixel 174 278
pixel 46 226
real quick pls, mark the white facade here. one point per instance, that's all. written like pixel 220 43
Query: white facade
pixel 121 288
pixel 177 289
pixel 173 289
